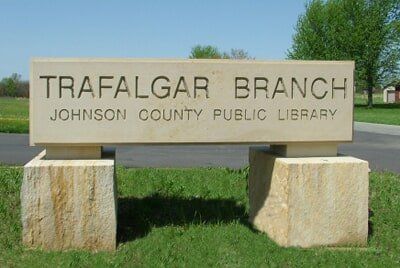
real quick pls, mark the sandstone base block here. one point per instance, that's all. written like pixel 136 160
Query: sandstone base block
pixel 69 204
pixel 309 201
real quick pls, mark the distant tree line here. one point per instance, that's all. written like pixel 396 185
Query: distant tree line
pixel 212 52
pixel 13 86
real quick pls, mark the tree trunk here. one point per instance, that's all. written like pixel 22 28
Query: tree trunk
pixel 370 99
pixel 370 85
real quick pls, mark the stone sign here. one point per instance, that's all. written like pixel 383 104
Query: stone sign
pixel 116 101
pixel 301 193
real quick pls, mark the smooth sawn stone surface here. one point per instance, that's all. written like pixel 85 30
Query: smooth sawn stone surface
pixel 165 101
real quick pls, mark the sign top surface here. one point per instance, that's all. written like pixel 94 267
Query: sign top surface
pixel 140 101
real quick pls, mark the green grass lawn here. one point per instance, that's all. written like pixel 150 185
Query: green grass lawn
pixel 381 113
pixel 14 115
pixel 198 217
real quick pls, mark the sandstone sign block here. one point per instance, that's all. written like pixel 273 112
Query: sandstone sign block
pixel 309 201
pixel 69 204
pixel 143 101
pixel 308 196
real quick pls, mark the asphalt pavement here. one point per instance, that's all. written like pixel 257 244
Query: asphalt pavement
pixel 378 144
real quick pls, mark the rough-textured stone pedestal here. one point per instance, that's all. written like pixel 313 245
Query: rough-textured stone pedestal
pixel 309 201
pixel 69 204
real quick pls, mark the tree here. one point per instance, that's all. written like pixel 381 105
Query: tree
pixel 239 54
pixel 205 52
pixel 10 84
pixel 211 52
pixel 366 31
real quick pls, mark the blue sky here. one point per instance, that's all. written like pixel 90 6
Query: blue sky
pixel 138 29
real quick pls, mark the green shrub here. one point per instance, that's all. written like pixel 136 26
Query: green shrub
pixel 13 86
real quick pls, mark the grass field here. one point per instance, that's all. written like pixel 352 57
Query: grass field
pixel 198 218
pixel 14 115
pixel 381 113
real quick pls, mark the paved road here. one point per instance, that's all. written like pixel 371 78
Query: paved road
pixel 379 144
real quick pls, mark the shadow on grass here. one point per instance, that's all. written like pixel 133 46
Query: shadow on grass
pixel 380 106
pixel 370 223
pixel 136 216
